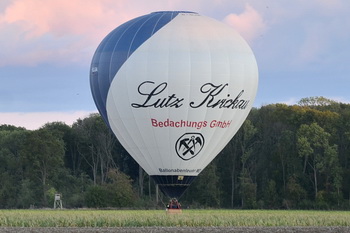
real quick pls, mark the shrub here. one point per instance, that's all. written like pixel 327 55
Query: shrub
pixel 96 197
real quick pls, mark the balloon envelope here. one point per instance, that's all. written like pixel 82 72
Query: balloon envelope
pixel 174 87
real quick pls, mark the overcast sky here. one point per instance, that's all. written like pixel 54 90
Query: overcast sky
pixel 302 50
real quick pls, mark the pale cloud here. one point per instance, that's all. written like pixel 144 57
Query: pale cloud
pixel 35 31
pixel 59 18
pixel 290 101
pixel 249 24
pixel 339 99
pixel 35 120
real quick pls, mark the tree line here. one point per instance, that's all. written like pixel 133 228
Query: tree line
pixel 283 157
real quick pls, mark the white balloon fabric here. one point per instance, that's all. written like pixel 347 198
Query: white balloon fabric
pixel 174 87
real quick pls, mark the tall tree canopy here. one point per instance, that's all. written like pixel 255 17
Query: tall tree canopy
pixel 283 156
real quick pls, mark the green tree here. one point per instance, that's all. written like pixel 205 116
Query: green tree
pixel 120 191
pixel 95 144
pixel 316 101
pixel 96 196
pixel 117 192
pixel 271 196
pixel 42 154
pixel 247 190
pixel 208 183
pixel 72 160
pixel 204 191
pixel 11 173
pixel 295 193
pixel 313 146
pixel 27 194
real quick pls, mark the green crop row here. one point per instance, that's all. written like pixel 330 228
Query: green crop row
pixel 189 218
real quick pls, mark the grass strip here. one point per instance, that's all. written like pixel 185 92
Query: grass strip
pixel 154 218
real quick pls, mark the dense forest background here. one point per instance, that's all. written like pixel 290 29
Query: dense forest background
pixel 283 157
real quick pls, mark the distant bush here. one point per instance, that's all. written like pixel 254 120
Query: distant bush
pixel 117 192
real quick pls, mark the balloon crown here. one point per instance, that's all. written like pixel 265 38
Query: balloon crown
pixel 174 12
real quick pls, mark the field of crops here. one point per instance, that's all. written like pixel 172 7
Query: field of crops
pixel 159 218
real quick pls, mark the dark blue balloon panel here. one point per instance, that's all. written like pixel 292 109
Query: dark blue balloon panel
pixel 116 48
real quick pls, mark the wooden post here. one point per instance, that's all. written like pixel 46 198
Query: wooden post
pixel 149 187
pixel 141 180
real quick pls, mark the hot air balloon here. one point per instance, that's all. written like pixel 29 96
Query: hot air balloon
pixel 174 87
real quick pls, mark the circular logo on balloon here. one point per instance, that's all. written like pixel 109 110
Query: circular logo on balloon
pixel 189 145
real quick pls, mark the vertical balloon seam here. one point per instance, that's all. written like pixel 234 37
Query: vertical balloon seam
pixel 159 151
pixel 208 155
pixel 121 134
pixel 115 34
pixel 154 133
pixel 162 24
pixel 141 154
pixel 184 50
pixel 125 30
pixel 111 74
pixel 101 102
pixel 211 79
pixel 212 150
pixel 206 161
pixel 191 73
pixel 130 51
pixel 168 178
pixel 192 56
pixel 172 13
pixel 190 79
pixel 116 48
pixel 148 150
pixel 130 55
pixel 108 81
pixel 157 141
pixel 129 146
pixel 95 85
pixel 208 49
pixel 155 25
pixel 92 79
pixel 168 112
pixel 169 155
pixel 170 51
pixel 103 82
pixel 144 148
pixel 233 113
pixel 169 47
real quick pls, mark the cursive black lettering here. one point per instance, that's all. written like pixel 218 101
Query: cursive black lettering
pixel 212 100
pixel 157 102
pixel 212 91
